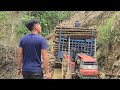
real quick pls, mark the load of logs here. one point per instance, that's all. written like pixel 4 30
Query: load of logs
pixel 74 33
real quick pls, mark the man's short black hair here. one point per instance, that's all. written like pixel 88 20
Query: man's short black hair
pixel 31 23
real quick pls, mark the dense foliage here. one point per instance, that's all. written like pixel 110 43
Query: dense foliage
pixel 48 19
pixel 108 35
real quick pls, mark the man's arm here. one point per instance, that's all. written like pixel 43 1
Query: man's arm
pixel 19 60
pixel 45 60
pixel 44 54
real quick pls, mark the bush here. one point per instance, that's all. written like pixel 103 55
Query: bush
pixel 106 37
pixel 48 19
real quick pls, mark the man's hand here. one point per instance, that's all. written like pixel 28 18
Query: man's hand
pixel 19 72
pixel 45 63
pixel 48 76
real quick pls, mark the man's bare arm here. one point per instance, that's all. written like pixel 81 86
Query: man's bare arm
pixel 45 60
pixel 19 60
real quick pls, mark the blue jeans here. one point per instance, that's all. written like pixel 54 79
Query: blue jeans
pixel 32 75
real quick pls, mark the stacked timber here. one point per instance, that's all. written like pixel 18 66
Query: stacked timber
pixel 77 33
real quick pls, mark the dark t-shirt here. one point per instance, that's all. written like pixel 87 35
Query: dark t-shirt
pixel 77 24
pixel 32 45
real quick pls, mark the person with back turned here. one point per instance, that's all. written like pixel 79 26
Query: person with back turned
pixel 77 24
pixel 31 47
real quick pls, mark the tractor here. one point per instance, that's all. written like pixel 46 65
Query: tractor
pixel 82 66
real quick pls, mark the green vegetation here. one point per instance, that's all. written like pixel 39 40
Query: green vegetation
pixel 106 37
pixel 48 19
pixel 12 23
pixel 105 30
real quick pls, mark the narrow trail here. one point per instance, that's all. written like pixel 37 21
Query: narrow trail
pixel 70 22
pixel 57 74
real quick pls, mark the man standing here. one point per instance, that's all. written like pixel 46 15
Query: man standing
pixel 31 48
pixel 77 24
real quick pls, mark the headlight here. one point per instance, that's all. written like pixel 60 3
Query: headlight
pixel 84 67
pixel 78 61
pixel 95 67
pixel 89 67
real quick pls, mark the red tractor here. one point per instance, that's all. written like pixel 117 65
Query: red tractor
pixel 86 66
pixel 83 66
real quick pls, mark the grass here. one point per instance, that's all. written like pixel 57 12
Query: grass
pixel 107 33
